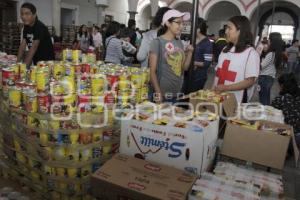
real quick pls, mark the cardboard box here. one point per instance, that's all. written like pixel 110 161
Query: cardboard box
pixel 128 178
pixel 191 148
pixel 229 105
pixel 258 146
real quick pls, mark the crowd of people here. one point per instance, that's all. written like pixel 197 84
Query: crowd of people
pixel 239 64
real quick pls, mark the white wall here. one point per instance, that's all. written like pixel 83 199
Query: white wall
pixel 87 13
pixel 285 19
pixel 118 9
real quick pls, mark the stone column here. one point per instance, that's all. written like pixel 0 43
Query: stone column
pixel 132 14
pixel 154 7
pixel 132 8
pixel 56 16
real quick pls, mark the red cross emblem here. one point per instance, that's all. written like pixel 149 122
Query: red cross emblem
pixel 224 74
pixel 170 47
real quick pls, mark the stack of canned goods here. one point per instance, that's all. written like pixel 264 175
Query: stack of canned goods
pixel 50 149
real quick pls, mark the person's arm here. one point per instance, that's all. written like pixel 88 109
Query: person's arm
pixel 118 47
pixel 267 60
pixel 153 59
pixel 21 50
pixel 248 82
pixel 31 52
pixel 188 57
pixel 143 50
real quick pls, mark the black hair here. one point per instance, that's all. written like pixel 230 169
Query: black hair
pixel 276 44
pixel 156 22
pixel 164 28
pixel 131 23
pixel 29 6
pixel 222 33
pixel 126 32
pixel 288 85
pixel 294 41
pixel 201 24
pixel 103 26
pixel 113 28
pixel 97 28
pixel 245 39
pixel 81 31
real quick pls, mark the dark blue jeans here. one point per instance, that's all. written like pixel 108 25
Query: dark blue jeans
pixel 265 82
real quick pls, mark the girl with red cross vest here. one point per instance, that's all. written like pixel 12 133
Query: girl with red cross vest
pixel 239 63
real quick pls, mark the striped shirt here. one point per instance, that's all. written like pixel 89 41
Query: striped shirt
pixel 114 52
pixel 268 66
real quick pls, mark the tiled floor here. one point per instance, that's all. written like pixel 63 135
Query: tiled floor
pixel 291 174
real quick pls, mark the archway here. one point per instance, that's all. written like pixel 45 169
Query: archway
pixel 144 18
pixel 218 15
pixel 285 19
pixel 184 7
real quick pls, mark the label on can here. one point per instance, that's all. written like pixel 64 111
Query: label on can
pixel 14 95
pixel 112 81
pixel 31 104
pixel 43 103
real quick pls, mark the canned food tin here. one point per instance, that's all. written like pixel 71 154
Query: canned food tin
pixel 14 95
pixel 85 138
pixel 136 80
pixel 67 55
pixel 97 84
pixel 84 103
pixel 83 58
pixel 70 70
pixel 43 103
pixel 97 136
pixel 54 124
pixel 60 171
pixel 97 152
pixel 76 56
pixel 74 188
pixel 86 68
pixel 33 163
pixel 22 70
pixel 62 186
pixel 21 158
pixel 97 104
pixel 57 104
pixel 87 170
pixel 106 149
pixel 110 97
pixel 58 138
pixel 42 79
pixel 72 172
pixel 86 154
pixel 73 138
pixel 72 154
pixel 44 138
pixel 49 170
pixel 58 71
pixel 77 68
pixel 32 73
pixel 70 103
pixel 68 83
pixel 91 58
pixel 95 167
pixel 31 104
pixel 59 153
pixel 112 80
pixel 7 75
pixel 17 145
pixel 16 69
pixel 1 78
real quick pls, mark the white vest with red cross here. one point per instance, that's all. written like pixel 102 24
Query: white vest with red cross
pixel 236 67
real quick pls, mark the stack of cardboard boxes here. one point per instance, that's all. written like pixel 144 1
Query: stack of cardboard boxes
pixel 188 144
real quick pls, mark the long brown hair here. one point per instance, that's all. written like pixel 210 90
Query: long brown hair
pixel 245 38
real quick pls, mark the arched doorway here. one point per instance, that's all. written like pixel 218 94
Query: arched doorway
pixel 218 15
pixel 184 7
pixel 285 19
pixel 144 18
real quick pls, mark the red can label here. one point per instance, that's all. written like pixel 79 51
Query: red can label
pixel 78 69
pixel 7 75
pixel 58 100
pixel 85 68
pixel 110 98
pixel 44 103
pixel 112 80
pixel 84 103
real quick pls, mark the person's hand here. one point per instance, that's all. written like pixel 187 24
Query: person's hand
pixel 189 49
pixel 158 97
pixel 220 88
